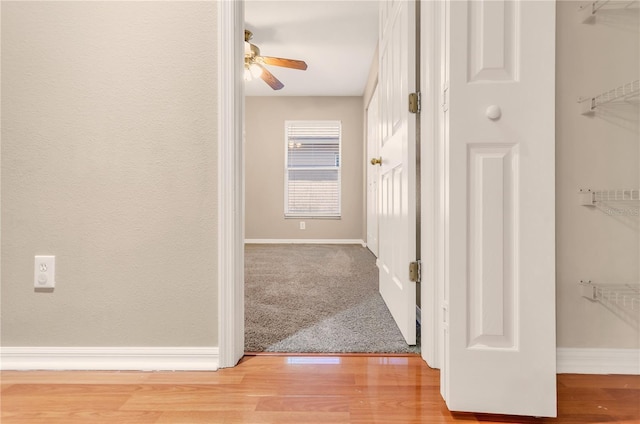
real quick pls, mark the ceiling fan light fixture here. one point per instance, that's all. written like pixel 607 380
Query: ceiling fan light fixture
pixel 247 74
pixel 255 70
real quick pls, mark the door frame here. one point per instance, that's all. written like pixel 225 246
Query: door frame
pixel 432 185
pixel 230 172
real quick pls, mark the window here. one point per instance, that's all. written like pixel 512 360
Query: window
pixel 312 169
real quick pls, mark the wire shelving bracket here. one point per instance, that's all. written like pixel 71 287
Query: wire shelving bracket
pixel 587 12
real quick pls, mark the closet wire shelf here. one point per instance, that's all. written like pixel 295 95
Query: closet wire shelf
pixel 623 300
pixel 624 296
pixel 590 197
pixel 623 93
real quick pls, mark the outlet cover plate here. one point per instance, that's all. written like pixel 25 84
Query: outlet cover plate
pixel 44 272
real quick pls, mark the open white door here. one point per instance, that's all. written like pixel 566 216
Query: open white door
pixel 397 219
pixel 499 332
pixel 373 148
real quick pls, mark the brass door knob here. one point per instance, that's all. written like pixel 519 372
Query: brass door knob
pixel 376 161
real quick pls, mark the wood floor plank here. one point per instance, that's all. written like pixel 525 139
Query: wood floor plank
pixel 624 395
pixel 74 377
pixel 200 377
pixel 601 381
pixel 82 417
pixel 248 417
pixel 198 390
pixel 42 391
pixel 300 383
pixel 60 403
pixel 303 403
pixel 190 403
pixel 289 389
pixel 406 417
pixel 591 394
pixel 614 407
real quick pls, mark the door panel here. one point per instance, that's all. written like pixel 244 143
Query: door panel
pixel 500 275
pixel 397 223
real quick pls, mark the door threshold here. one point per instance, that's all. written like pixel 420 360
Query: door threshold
pixel 353 354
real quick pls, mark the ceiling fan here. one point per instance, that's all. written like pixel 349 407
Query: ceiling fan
pixel 253 63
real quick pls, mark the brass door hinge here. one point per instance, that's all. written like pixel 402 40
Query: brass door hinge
pixel 414 102
pixel 415 271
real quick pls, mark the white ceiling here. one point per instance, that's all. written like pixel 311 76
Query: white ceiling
pixel 337 39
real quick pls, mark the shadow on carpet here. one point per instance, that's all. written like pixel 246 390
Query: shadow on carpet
pixel 316 298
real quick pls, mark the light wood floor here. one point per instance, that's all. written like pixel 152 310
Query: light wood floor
pixel 287 389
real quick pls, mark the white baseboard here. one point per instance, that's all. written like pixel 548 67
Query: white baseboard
pixel 569 360
pixel 598 361
pixel 110 358
pixel 305 241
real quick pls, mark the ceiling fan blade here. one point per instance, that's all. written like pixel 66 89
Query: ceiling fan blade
pixel 285 63
pixel 268 77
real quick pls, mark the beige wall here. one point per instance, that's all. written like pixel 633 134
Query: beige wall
pixel 109 163
pixel 264 155
pixel 597 152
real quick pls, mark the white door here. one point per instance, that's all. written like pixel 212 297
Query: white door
pixel 373 148
pixel 397 219
pixel 499 331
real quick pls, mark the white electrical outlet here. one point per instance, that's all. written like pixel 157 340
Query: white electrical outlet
pixel 44 272
pixel 302 225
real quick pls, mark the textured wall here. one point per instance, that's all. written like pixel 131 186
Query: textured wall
pixel 109 163
pixel 264 155
pixel 597 152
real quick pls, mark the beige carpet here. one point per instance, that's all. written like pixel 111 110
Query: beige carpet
pixel 316 298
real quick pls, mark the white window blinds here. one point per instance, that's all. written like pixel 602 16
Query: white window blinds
pixel 312 168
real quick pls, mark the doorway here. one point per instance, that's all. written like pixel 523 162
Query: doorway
pixel 231 234
pixel 264 119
